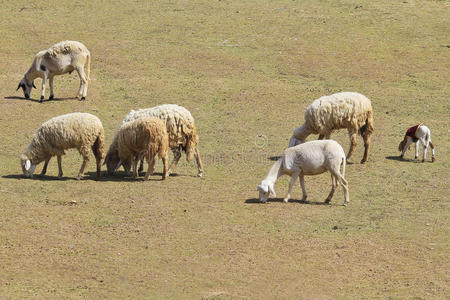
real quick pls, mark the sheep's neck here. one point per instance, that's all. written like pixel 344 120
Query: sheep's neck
pixel 302 132
pixel 275 172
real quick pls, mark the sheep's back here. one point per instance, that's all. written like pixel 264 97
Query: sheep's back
pixel 341 110
pixel 74 130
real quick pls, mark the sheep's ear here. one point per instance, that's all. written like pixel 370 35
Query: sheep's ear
pixel 272 191
pixel 34 85
pixel 27 164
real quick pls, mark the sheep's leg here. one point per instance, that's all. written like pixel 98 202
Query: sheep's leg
pixel 50 83
pixel 344 184
pixel 302 184
pixel 416 148
pixel 83 83
pixel 141 165
pixel 425 148
pixel 198 159
pixel 432 152
pixel 333 188
pixel 134 162
pixel 164 174
pixel 291 184
pixel 366 139
pixel 151 166
pixel 60 172
pixel 83 166
pixel 44 79
pixel 352 135
pixel 44 169
pixel 176 158
pixel 151 163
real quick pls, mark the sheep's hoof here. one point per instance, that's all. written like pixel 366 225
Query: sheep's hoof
pixel 327 200
pixel 200 174
pixel 423 160
pixel 83 98
pixel 42 99
pixel 433 159
pixel 51 97
pixel 416 157
pixel 285 200
pixel 345 204
pixel 363 161
pixel 79 177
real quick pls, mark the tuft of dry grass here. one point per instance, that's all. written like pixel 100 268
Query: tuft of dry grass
pixel 246 70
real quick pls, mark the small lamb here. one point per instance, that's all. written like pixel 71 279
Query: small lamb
pixel 310 158
pixel 415 134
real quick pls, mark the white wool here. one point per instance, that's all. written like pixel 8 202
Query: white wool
pixel 341 110
pixel 310 158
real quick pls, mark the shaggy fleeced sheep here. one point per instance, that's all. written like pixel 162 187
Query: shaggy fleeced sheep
pixel 415 134
pixel 310 158
pixel 82 131
pixel 341 110
pixel 144 137
pixel 63 57
pixel 182 135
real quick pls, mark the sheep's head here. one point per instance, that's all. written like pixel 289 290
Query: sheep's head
pixel 401 146
pixel 27 167
pixel 111 161
pixel 265 190
pixel 26 87
pixel 295 141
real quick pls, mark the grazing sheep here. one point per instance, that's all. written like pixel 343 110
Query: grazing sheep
pixel 342 110
pixel 182 135
pixel 415 134
pixel 76 130
pixel 310 158
pixel 143 137
pixel 61 58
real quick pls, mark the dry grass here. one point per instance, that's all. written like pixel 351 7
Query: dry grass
pixel 244 69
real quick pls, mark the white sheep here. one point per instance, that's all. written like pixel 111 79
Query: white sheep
pixel 63 57
pixel 144 137
pixel 415 134
pixel 310 158
pixel 342 110
pixel 82 131
pixel 182 135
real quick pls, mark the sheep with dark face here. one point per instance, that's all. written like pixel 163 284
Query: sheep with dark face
pixel 63 57
pixel 342 110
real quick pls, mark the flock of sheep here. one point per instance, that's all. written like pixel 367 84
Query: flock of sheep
pixel 146 133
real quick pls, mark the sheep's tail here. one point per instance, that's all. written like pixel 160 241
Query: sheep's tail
pixel 367 128
pixel 88 66
pixel 99 145
pixel 191 144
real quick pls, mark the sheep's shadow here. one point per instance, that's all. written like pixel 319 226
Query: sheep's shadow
pixel 280 200
pixel 274 158
pixel 398 158
pixel 122 176
pixel 37 100
pixel 40 177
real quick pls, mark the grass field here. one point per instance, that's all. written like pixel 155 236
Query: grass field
pixel 246 70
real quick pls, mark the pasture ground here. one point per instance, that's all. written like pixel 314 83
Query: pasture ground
pixel 246 70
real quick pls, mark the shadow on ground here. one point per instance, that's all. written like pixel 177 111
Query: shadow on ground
pixel 37 100
pixel 280 200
